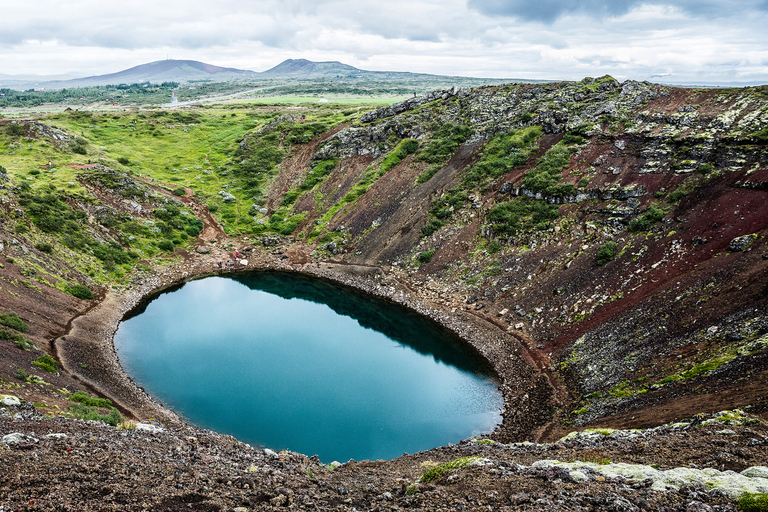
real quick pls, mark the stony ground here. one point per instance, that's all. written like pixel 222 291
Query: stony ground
pixel 63 464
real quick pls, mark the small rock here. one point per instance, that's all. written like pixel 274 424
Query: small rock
pixel 149 427
pixel 18 438
pixel 697 241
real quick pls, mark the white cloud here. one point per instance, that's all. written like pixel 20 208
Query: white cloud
pixel 687 39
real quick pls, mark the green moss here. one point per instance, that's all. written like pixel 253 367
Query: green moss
pixel 707 366
pixel 754 502
pixel 440 470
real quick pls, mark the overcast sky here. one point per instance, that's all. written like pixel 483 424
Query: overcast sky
pixel 674 41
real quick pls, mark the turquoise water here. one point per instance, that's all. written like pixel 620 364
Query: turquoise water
pixel 290 362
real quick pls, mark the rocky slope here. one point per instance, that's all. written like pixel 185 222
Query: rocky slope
pixel 601 244
pixel 670 183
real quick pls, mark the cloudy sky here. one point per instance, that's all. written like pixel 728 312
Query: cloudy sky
pixel 673 41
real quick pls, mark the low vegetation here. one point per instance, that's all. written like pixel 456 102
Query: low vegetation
pixel 442 469
pixel 47 363
pixel 85 407
pixel 13 321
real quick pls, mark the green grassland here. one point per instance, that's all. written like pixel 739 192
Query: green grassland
pixel 199 148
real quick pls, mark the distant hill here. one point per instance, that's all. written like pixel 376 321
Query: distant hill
pixel 154 72
pixel 185 71
pixel 302 68
pixel 166 71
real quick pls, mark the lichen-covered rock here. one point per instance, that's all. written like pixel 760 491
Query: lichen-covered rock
pixel 741 243
pixel 18 438
pixel 9 400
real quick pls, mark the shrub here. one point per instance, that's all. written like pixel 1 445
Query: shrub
pixel 10 336
pixel 21 341
pixel 652 215
pixel 179 191
pixel 676 196
pixel 15 130
pixel 21 374
pixel 21 228
pixel 606 252
pixel 13 321
pixel 431 226
pixel 123 160
pixel 34 172
pixel 44 247
pixel 83 398
pixel 24 344
pixel 426 256
pixel 427 175
pixel 570 138
pixel 494 247
pixel 166 245
pixel 80 291
pixel 46 363
pixel 79 147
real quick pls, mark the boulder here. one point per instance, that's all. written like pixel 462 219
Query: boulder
pixel 10 400
pixel 740 243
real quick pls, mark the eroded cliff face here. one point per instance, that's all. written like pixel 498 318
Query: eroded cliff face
pixel 615 229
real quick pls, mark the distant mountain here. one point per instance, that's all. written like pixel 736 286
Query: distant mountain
pixel 302 68
pixel 192 71
pixel 166 71
pixel 154 72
